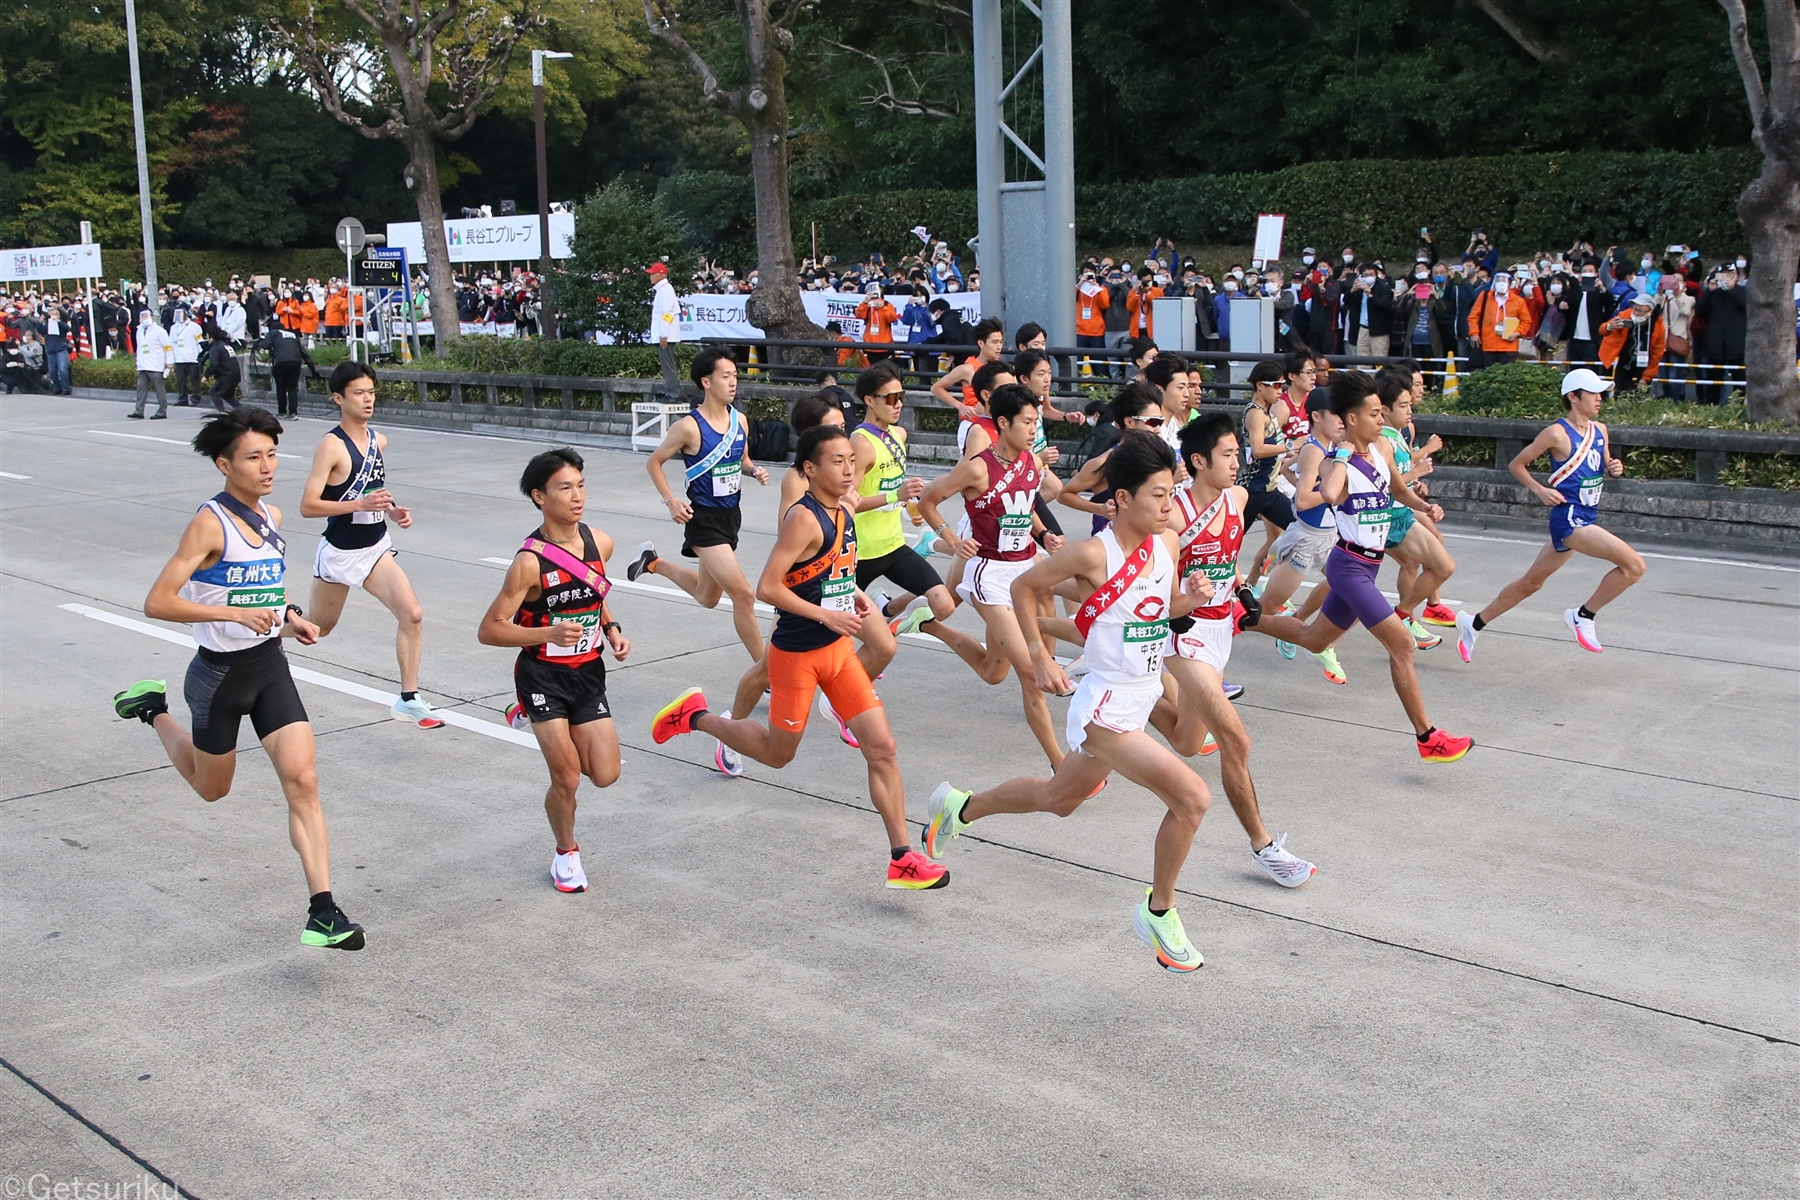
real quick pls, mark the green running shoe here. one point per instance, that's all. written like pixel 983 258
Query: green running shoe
pixel 1328 659
pixel 1165 935
pixel 1423 638
pixel 332 930
pixel 143 700
pixel 945 818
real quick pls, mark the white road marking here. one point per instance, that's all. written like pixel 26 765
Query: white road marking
pixel 145 437
pixel 500 733
pixel 1717 562
pixel 10 475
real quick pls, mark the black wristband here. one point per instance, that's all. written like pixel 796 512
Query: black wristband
pixel 296 610
pixel 610 625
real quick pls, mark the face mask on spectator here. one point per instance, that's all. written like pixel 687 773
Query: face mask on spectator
pixel 1421 273
pixel 1307 259
pixel 1231 285
pixel 1742 262
pixel 1647 262
pixel 1349 258
pixel 1556 289
pixel 1237 273
pixel 1368 281
pixel 1440 278
pixel 1162 281
pixel 1588 280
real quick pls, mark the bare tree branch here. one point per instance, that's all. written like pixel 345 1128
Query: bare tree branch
pixel 1521 31
pixel 887 98
pixel 1751 74
pixel 1301 16
pixel 660 18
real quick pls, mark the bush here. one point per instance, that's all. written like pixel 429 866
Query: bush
pixel 538 356
pixel 191 268
pixel 1520 389
pixel 120 372
pixel 1762 470
pixel 619 231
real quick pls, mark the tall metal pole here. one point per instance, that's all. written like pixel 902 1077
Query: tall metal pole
pixel 143 156
pixel 543 160
pixel 990 164
pixel 1059 166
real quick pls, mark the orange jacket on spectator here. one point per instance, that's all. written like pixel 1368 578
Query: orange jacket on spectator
pixel 288 313
pixel 337 308
pixel 1090 313
pixel 1535 304
pixel 1485 316
pixel 878 319
pixel 850 357
pixel 1143 322
pixel 309 316
pixel 1617 333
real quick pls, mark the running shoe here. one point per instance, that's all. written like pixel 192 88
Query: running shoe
pixel 678 716
pixel 1583 629
pixel 332 930
pixel 1284 868
pixel 1258 590
pixel 566 872
pixel 143 700
pixel 913 616
pixel 1437 614
pixel 1165 935
pixel 1232 690
pixel 1334 672
pixel 1440 747
pixel 843 727
pixel 944 818
pixel 1466 633
pixel 880 600
pixel 1423 638
pixel 927 544
pixel 1208 746
pixel 1077 668
pixel 913 872
pixel 729 761
pixel 515 716
pixel 646 556
pixel 418 712
pixel 1287 650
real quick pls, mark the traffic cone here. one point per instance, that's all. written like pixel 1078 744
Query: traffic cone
pixel 755 361
pixel 83 348
pixel 1450 384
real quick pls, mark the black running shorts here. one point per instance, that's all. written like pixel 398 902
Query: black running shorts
pixel 224 688
pixel 551 692
pixel 1271 504
pixel 905 566
pixel 711 527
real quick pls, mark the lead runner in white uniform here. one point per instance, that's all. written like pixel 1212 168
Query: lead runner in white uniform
pixel 1129 575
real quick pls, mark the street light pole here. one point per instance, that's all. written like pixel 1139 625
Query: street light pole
pixel 143 156
pixel 543 170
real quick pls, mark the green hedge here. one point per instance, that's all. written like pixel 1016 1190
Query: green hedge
pixel 191 268
pixel 120 372
pixel 535 356
pixel 1532 391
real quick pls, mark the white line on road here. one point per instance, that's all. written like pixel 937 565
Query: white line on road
pixel 10 475
pixel 145 437
pixel 1717 562
pixel 500 733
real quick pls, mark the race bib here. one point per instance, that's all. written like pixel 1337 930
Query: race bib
pixel 1220 575
pixel 1015 532
pixel 1144 643
pixel 367 518
pixel 727 478
pixel 261 597
pixel 838 595
pixel 590 634
pixel 1589 496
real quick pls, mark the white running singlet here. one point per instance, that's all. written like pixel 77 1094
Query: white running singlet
pixel 1126 643
pixel 245 576
pixel 1364 516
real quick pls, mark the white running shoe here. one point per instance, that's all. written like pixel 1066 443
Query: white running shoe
pixel 517 718
pixel 1077 668
pixel 1284 868
pixel 1466 633
pixel 729 761
pixel 1583 629
pixel 418 712
pixel 842 728
pixel 566 872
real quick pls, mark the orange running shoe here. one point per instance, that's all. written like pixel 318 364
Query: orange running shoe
pixel 1440 747
pixel 1437 614
pixel 914 872
pixel 677 717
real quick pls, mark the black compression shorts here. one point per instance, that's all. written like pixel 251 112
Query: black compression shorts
pixel 1271 504
pixel 224 688
pixel 904 566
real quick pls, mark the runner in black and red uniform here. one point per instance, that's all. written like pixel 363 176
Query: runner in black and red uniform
pixel 552 606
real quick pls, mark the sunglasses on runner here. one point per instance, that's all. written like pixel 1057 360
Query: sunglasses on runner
pixel 1152 422
pixel 895 395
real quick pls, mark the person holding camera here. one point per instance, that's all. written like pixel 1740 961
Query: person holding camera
pixel 1497 321
pixel 1636 337
pixel 1369 307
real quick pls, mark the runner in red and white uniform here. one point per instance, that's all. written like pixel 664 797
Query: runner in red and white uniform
pixel 1209 528
pixel 999 487
pixel 1129 574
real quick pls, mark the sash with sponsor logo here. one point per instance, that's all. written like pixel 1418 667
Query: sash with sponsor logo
pixel 578 570
pixel 1114 589
pixel 1001 486
pixel 254 519
pixel 1579 455
pixel 720 449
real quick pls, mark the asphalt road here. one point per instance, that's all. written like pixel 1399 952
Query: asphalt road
pixel 1566 965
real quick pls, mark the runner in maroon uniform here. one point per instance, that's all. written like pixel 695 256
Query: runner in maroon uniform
pixel 552 606
pixel 999 487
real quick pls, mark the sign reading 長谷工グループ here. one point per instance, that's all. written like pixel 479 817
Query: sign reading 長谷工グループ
pixel 50 262
pixel 489 239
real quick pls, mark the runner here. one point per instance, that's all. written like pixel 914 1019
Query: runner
pixel 1301 551
pixel 348 487
pixel 1435 611
pixel 1209 529
pixel 1413 540
pixel 811 578
pixel 1356 480
pixel 998 487
pixel 976 431
pixel 228 580
pixel 1033 368
pixel 552 607
pixel 1134 409
pixel 1580 462
pixel 1128 569
pixel 714 444
pixel 1260 434
pixel 990 342
pixel 1167 373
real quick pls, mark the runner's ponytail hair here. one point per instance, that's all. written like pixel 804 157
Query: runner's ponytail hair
pixel 219 436
pixel 1134 460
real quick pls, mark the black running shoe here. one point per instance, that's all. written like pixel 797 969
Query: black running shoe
pixel 143 700
pixel 332 930
pixel 646 556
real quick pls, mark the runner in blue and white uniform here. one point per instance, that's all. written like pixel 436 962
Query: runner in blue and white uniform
pixel 713 442
pixel 228 579
pixel 1580 462
pixel 1357 481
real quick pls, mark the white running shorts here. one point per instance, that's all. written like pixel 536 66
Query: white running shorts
pixel 1208 641
pixel 349 567
pixel 1305 548
pixel 989 581
pixel 1123 708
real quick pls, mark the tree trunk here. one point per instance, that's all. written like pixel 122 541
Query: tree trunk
pixel 1770 211
pixel 446 326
